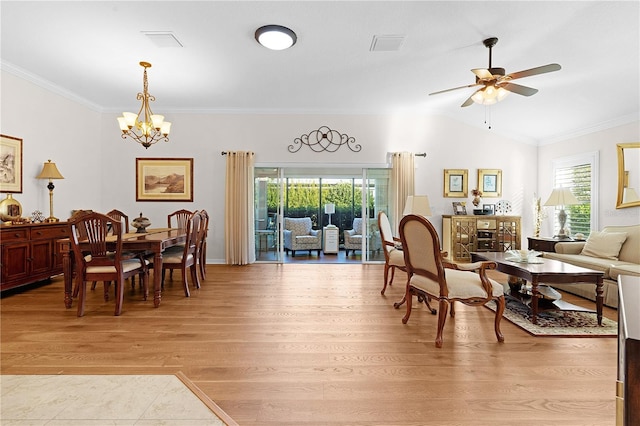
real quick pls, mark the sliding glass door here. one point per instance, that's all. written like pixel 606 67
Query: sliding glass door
pixel 268 217
pixel 339 197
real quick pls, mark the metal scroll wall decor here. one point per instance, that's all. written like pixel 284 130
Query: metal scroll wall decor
pixel 324 139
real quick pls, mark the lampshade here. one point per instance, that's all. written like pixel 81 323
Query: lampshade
pixel 418 205
pixel 329 208
pixel 275 37
pixel 49 171
pixel 561 197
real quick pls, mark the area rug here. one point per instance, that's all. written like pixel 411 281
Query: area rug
pixel 553 323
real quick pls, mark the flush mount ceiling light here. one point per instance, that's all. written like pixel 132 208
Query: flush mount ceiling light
pixel 276 37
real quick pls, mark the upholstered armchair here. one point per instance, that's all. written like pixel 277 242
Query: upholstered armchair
pixel 353 237
pixel 299 235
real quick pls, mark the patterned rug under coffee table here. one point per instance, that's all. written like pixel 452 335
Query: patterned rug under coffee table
pixel 556 323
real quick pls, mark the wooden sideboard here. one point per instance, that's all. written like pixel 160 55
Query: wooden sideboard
pixel 464 234
pixel 30 253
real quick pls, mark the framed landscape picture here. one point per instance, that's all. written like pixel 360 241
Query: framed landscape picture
pixel 490 182
pixel 164 179
pixel 10 164
pixel 455 183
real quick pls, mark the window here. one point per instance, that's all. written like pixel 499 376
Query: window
pixel 579 173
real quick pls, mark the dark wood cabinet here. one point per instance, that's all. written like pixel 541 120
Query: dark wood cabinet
pixel 545 244
pixel 30 253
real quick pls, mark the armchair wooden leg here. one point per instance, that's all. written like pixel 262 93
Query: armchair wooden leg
pixel 500 303
pixel 442 319
pixel 386 277
pixel 408 298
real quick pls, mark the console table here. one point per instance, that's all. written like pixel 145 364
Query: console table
pixel 465 234
pixel 545 244
pixel 31 252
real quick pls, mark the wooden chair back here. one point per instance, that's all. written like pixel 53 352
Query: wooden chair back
pixel 120 217
pixel 180 217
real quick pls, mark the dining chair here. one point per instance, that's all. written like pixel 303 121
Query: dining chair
pixel 393 257
pixel 202 246
pixel 187 257
pixel 429 276
pixel 120 217
pixel 180 217
pixel 93 262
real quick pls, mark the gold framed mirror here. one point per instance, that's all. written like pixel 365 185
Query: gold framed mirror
pixel 628 175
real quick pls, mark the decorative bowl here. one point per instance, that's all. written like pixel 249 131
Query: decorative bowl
pixel 141 224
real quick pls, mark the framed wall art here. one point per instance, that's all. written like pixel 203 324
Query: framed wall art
pixel 10 164
pixel 490 182
pixel 455 183
pixel 164 179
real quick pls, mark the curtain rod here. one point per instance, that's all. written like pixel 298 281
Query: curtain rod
pixel 227 152
pixel 420 154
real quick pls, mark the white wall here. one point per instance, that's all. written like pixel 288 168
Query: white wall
pixel 52 127
pixel 99 166
pixel 604 142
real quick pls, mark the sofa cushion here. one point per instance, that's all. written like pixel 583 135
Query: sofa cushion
pixel 605 245
pixel 624 269
pixel 630 251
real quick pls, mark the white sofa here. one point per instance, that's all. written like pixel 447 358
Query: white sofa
pixel 603 251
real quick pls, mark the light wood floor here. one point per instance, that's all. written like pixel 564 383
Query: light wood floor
pixel 318 345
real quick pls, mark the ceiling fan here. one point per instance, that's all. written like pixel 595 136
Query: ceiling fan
pixel 496 84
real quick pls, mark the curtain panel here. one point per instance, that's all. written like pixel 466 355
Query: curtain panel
pixel 239 236
pixel 402 184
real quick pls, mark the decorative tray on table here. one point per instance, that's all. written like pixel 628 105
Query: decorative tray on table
pixel 523 256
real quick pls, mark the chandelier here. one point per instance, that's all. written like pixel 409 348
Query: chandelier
pixel 145 127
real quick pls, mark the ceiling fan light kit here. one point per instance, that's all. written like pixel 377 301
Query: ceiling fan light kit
pixel 497 83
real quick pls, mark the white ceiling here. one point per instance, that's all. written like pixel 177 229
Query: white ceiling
pixel 90 51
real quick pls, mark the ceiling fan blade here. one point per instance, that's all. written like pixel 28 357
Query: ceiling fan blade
pixel 520 90
pixel 469 100
pixel 534 71
pixel 482 73
pixel 455 88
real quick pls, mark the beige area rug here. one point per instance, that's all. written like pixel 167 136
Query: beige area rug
pixel 554 323
pixel 74 400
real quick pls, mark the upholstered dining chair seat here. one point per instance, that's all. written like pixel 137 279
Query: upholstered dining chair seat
pixel 175 257
pixel 396 258
pixel 127 266
pixel 459 285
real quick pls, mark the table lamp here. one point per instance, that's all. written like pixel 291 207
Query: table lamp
pixel 50 171
pixel 561 197
pixel 329 209
pixel 418 205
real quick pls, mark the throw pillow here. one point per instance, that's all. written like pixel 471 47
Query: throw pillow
pixel 605 245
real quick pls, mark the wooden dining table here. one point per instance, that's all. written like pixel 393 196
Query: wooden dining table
pixel 153 241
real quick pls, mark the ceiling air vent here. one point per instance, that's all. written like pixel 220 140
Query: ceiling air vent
pixel 163 38
pixel 386 43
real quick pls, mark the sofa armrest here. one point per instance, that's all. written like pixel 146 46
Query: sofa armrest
pixel 574 247
pixel 314 232
pixel 349 232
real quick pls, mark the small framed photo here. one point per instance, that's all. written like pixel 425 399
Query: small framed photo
pixel 164 179
pixel 489 209
pixel 456 183
pixel 10 164
pixel 490 182
pixel 459 208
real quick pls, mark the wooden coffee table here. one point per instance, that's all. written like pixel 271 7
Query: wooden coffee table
pixel 548 271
